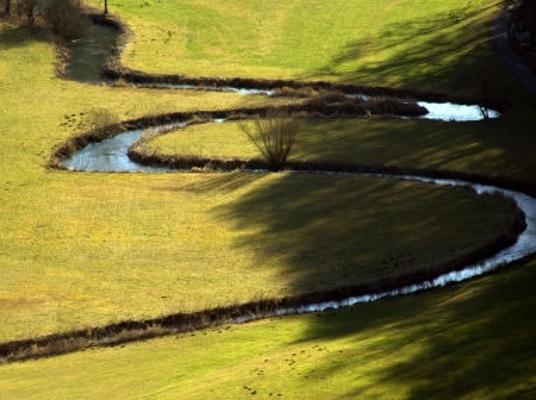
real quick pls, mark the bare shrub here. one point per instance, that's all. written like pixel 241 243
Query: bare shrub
pixel 274 136
pixel 485 96
pixel 121 82
pixel 6 8
pixel 66 17
pixel 27 9
pixel 484 111
pixel 101 118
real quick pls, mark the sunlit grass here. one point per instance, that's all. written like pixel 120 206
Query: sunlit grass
pixel 487 148
pixel 473 340
pixel 370 42
pixel 99 248
pixel 87 249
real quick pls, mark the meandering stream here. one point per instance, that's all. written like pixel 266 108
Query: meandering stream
pixel 111 155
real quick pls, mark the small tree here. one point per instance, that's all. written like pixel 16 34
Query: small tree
pixel 66 18
pixel 105 7
pixel 7 7
pixel 26 9
pixel 274 136
pixel 100 118
pixel 485 95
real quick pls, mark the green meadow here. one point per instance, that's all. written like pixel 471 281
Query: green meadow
pixel 473 340
pixel 86 249
pixel 485 148
pixel 382 42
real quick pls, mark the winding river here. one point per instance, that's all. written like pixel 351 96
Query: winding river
pixel 111 155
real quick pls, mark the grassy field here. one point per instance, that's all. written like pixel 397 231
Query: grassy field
pixel 438 46
pixel 86 249
pixel 487 148
pixel 387 42
pixel 77 248
pixel 471 341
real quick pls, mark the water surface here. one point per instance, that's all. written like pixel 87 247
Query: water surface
pixel 87 55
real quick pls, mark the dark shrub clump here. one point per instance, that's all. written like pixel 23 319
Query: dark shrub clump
pixel 66 18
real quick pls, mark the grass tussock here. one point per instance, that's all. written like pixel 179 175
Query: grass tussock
pixel 101 118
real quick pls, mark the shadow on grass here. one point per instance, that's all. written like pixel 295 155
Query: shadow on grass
pixel 474 340
pixel 500 148
pixel 308 223
pixel 449 52
pixel 14 36
pixel 470 340
pixel 321 232
pixel 222 182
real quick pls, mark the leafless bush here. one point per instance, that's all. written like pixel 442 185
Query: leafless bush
pixel 485 96
pixel 27 9
pixel 66 17
pixel 100 118
pixel 485 112
pixel 274 136
pixel 121 82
